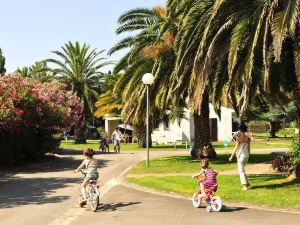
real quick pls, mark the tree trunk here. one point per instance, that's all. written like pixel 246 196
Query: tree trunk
pixel 80 136
pixel 141 136
pixel 203 147
pixel 273 126
pixel 298 117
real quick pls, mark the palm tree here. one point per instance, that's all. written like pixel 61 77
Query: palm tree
pixel 78 68
pixel 24 71
pixel 149 52
pixel 109 103
pixel 40 71
pixel 261 39
pixel 194 18
pixel 235 48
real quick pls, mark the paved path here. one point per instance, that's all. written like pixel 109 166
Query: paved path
pixel 47 195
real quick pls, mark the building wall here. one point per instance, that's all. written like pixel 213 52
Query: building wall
pixel 185 131
pixel 110 126
pixel 175 131
pixel 224 123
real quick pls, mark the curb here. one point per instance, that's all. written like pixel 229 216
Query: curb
pixel 122 180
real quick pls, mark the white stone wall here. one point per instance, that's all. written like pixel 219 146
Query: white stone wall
pixel 224 123
pixel 174 132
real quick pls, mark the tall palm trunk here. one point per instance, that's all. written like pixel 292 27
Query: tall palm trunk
pixel 141 136
pixel 203 146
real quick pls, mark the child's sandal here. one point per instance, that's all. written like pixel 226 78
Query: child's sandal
pixel 82 203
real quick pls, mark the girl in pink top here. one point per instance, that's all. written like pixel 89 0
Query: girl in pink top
pixel 210 181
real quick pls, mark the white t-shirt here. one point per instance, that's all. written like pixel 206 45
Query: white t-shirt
pixel 117 135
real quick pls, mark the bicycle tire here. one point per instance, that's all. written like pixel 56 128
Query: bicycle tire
pixel 196 200
pixel 94 199
pixel 216 203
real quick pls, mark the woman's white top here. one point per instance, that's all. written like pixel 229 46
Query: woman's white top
pixel 244 141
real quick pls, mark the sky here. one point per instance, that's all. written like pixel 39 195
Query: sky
pixel 31 29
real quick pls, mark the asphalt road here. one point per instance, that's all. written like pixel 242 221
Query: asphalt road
pixel 47 193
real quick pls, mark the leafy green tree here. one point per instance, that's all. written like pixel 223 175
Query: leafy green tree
pixel 2 64
pixel 79 68
pixel 278 115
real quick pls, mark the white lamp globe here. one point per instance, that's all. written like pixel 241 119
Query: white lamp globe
pixel 148 79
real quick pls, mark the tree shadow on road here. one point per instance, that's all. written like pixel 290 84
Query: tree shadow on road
pixel 54 165
pixel 37 191
pixel 116 206
pixel 75 152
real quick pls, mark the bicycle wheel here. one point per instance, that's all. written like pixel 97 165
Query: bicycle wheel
pixel 216 203
pixel 94 199
pixel 196 200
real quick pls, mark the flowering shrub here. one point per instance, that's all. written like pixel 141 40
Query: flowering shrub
pixel 36 111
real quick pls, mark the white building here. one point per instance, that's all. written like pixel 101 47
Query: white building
pixel 221 128
pixel 170 132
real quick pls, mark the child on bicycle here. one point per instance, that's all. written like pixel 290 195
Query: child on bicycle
pixel 209 182
pixel 90 165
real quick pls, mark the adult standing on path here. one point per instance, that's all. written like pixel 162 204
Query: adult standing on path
pixel 242 152
pixel 116 137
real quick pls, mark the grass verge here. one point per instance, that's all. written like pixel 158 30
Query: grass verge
pixel 94 144
pixel 184 164
pixel 271 190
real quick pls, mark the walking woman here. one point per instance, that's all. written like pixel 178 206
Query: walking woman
pixel 242 152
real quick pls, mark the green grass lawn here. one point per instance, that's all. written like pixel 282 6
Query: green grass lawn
pixel 94 144
pixel 184 164
pixel 272 190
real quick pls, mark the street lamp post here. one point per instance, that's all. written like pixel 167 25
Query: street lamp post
pixel 147 79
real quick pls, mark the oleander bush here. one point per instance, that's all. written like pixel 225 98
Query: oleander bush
pixel 32 115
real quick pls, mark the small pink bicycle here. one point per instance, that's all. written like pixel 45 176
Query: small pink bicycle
pixel 213 202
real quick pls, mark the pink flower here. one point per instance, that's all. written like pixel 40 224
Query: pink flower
pixel 19 111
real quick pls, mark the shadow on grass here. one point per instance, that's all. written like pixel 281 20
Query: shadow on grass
pixel 19 191
pixel 220 160
pixel 116 206
pixel 267 178
pixel 154 147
